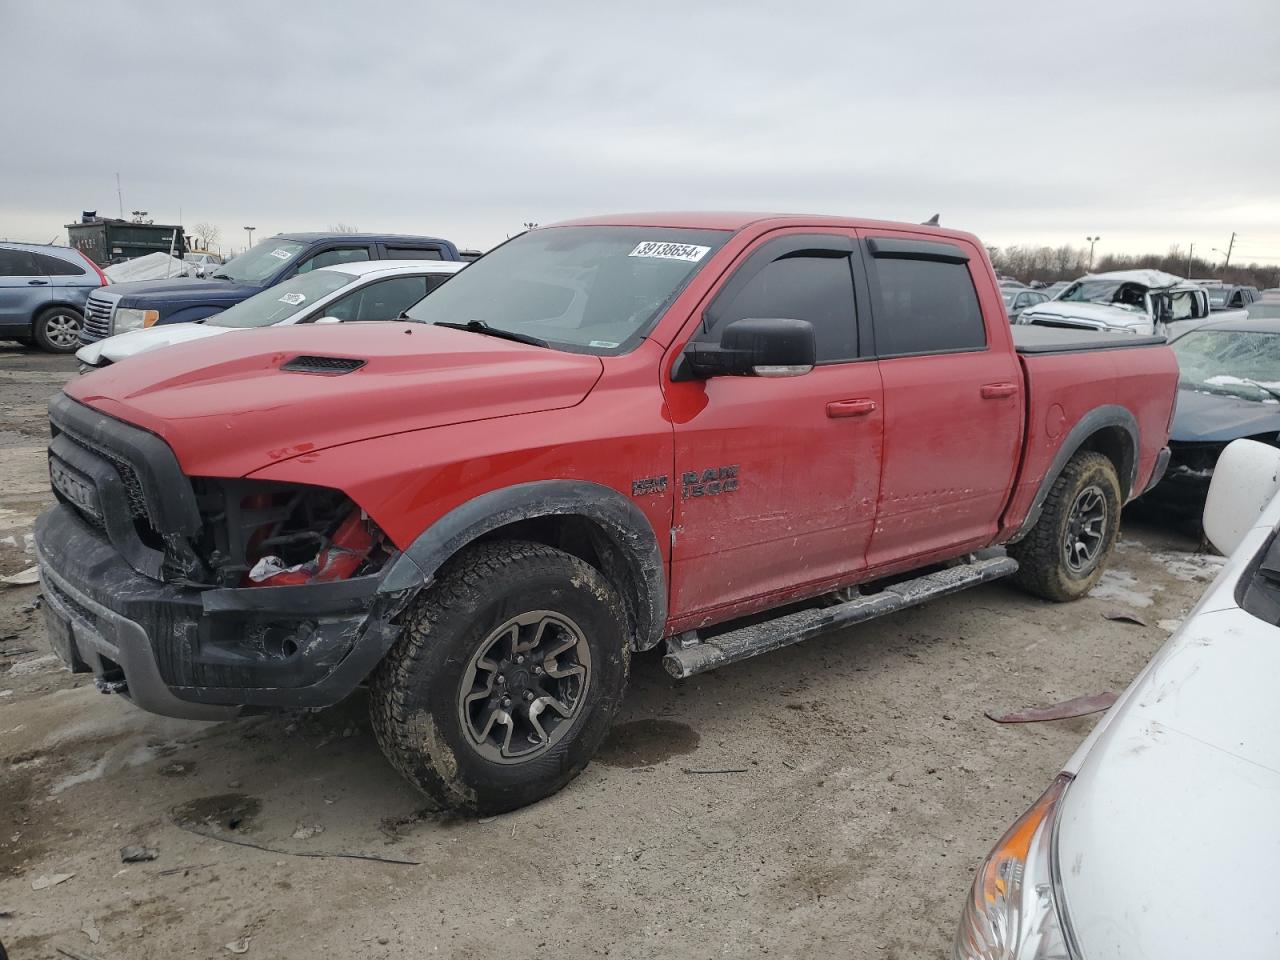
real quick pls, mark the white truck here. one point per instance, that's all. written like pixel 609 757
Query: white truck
pixel 1142 302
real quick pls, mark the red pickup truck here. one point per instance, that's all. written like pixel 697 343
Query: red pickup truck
pixel 603 435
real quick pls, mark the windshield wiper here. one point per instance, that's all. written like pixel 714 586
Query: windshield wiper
pixel 479 326
pixel 219 276
pixel 1261 386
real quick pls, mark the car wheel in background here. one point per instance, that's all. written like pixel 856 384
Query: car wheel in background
pixel 57 330
pixel 1063 556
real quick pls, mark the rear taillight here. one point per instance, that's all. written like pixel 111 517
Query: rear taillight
pixel 102 277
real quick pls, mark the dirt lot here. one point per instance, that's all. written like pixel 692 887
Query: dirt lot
pixel 864 785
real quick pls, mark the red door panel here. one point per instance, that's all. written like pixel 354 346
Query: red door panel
pixel 949 452
pixel 800 504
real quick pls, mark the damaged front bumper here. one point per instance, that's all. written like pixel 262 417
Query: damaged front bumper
pixel 209 653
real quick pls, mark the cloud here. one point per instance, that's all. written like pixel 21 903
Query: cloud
pixel 1138 121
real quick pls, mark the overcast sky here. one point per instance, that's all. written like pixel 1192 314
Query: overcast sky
pixel 1147 122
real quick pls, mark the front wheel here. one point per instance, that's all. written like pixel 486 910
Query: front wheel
pixel 505 678
pixel 1064 555
pixel 57 330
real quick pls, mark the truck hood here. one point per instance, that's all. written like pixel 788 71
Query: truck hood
pixel 1180 785
pixel 185 290
pixel 1207 417
pixel 227 408
pixel 1088 314
pixel 125 345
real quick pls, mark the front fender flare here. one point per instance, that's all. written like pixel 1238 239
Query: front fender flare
pixel 628 530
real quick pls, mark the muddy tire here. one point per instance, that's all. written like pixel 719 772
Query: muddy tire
pixel 57 330
pixel 505 679
pixel 1066 551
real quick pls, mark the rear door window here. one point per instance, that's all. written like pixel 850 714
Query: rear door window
pixel 412 253
pixel 923 305
pixel 56 267
pixel 18 263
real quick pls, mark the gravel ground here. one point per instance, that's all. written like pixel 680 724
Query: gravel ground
pixel 863 784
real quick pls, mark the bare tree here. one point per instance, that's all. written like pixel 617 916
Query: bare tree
pixel 206 234
pixel 341 227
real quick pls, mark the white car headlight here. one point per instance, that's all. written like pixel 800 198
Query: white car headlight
pixel 127 319
pixel 1013 911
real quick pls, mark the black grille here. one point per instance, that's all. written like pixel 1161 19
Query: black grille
pixel 325 366
pixel 97 317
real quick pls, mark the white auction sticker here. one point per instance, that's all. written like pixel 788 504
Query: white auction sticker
pixel 293 299
pixel 663 250
pixel 281 254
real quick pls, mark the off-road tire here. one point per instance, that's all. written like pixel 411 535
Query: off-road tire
pixel 415 691
pixel 1042 566
pixel 50 330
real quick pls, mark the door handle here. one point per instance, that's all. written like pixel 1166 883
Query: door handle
pixel 998 391
pixel 850 408
pixel 37 283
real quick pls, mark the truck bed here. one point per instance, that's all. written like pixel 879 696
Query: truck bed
pixel 1034 339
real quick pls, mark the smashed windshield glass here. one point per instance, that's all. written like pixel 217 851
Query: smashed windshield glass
pixel 1113 292
pixel 1232 362
pixel 590 289
pixel 283 300
pixel 259 262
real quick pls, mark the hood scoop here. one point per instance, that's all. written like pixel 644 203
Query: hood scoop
pixel 323 366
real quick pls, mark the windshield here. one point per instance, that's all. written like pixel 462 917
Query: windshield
pixel 259 262
pixel 1114 292
pixel 1264 309
pixel 1008 297
pixel 1233 362
pixel 1218 296
pixel 583 289
pixel 283 300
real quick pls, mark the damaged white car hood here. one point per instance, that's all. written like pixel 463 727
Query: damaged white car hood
pixel 1095 316
pixel 125 345
pixel 1168 836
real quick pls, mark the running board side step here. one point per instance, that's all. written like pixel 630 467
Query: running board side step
pixel 687 655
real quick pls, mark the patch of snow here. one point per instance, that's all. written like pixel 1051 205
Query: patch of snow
pixel 31 664
pixel 1124 587
pixel 94 772
pixel 1190 567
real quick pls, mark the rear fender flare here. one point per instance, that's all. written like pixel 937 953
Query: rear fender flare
pixel 628 530
pixel 1097 419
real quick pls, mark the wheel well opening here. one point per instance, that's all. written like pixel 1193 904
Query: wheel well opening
pixel 1115 444
pixel 592 543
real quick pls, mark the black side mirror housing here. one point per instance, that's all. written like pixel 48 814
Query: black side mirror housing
pixel 754 347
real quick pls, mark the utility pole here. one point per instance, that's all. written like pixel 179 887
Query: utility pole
pixel 119 196
pixel 1226 263
pixel 250 229
pixel 1092 241
pixel 1190 256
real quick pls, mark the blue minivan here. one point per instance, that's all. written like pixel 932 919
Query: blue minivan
pixel 43 292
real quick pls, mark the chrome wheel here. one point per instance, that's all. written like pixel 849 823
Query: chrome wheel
pixel 1086 530
pixel 524 686
pixel 62 329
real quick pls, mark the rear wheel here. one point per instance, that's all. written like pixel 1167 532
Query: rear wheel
pixel 57 330
pixel 505 678
pixel 1064 555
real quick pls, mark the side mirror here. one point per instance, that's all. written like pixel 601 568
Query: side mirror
pixel 1164 311
pixel 1244 482
pixel 767 347
pixel 329 320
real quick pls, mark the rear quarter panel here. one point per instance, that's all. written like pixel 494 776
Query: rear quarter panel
pixel 1063 388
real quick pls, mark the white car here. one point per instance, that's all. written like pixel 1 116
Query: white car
pixel 206 264
pixel 1161 838
pixel 1142 302
pixel 373 290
